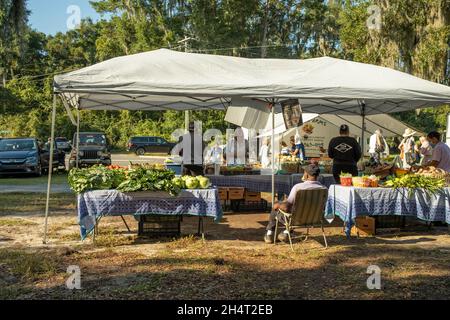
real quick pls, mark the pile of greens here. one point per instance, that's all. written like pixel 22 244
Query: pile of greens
pixel 132 180
pixel 143 179
pixel 414 181
pixel 95 178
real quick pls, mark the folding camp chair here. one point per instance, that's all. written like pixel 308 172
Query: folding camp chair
pixel 307 212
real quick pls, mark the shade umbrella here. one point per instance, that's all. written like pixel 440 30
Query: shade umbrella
pixel 171 80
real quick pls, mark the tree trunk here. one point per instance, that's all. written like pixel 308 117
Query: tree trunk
pixel 265 30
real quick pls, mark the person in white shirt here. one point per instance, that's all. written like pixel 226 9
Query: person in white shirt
pixel 378 146
pixel 264 154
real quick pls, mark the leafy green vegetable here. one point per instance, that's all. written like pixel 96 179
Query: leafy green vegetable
pixel 137 179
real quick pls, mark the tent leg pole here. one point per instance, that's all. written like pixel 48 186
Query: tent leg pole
pixel 50 169
pixel 363 131
pixel 273 155
pixel 78 139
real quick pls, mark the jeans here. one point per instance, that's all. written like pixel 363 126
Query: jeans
pixel 272 220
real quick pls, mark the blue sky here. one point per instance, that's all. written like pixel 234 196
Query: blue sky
pixel 50 16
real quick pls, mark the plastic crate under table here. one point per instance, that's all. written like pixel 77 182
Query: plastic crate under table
pixel 160 226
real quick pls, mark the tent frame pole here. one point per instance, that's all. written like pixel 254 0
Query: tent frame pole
pixel 50 168
pixel 78 140
pixel 273 154
pixel 363 127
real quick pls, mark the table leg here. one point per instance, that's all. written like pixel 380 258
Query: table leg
pixel 125 222
pixel 201 229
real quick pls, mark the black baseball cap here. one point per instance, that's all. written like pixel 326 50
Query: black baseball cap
pixel 313 170
pixel 344 128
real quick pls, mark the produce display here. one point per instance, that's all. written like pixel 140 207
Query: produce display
pixel 416 181
pixel 381 170
pixel 365 181
pixel 433 172
pixel 132 179
pixel 346 179
pixel 290 164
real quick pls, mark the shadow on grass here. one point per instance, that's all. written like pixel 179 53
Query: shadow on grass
pixel 214 274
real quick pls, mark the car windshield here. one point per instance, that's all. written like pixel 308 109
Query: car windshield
pixel 17 145
pixel 93 139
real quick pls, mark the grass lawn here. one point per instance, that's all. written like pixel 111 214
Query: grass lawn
pixel 232 263
pixel 57 178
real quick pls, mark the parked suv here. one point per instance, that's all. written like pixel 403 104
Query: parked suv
pixel 93 149
pixel 25 156
pixel 63 144
pixel 142 145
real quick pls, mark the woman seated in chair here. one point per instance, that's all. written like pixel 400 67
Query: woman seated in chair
pixel 310 181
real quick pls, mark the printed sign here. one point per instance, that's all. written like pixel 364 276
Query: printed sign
pixel 292 114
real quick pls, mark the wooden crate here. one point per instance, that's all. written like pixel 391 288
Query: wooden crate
pixel 365 227
pixel 252 196
pixel 223 194
pixel 236 193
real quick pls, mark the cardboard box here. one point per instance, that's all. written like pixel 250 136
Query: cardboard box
pixel 364 227
pixel 236 193
pixel 223 194
pixel 252 196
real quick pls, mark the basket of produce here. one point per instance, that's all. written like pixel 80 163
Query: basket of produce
pixel 381 170
pixel 400 172
pixel 374 181
pixel 361 182
pixel 290 167
pixel 346 179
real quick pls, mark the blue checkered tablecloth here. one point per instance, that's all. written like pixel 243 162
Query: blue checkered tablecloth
pixel 95 204
pixel 263 183
pixel 350 202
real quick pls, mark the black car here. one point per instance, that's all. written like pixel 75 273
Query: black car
pixel 93 149
pixel 63 144
pixel 142 145
pixel 25 156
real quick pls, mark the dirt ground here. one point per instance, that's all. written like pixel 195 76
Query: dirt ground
pixel 231 263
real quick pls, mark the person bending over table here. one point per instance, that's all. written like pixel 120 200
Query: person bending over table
pixel 345 152
pixel 310 178
pixel 441 152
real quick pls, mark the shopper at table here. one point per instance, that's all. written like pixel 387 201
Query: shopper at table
pixel 441 152
pixel 425 151
pixel 310 181
pixel 285 151
pixel 296 150
pixel 193 164
pixel 345 152
pixel 378 146
pixel 300 146
pixel 407 149
pixel 264 154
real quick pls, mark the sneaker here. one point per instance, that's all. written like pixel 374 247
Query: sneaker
pixel 283 237
pixel 268 239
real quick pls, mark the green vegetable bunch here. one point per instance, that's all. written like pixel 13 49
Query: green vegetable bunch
pixel 413 181
pixel 95 178
pixel 136 179
pixel 142 179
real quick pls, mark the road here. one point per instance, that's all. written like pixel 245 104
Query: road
pixel 23 185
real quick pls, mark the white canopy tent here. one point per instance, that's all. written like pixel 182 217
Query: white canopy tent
pixel 170 80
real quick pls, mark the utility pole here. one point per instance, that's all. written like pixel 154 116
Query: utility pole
pixel 186 49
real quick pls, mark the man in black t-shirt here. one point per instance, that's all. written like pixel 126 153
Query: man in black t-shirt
pixel 345 152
